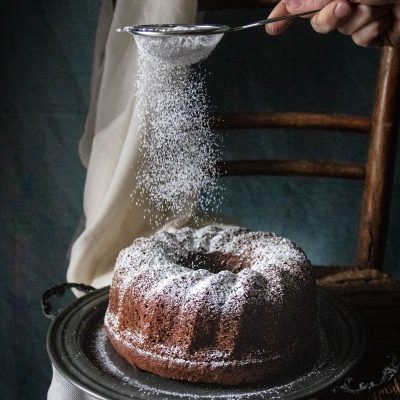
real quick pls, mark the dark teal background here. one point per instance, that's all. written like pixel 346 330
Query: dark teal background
pixel 47 49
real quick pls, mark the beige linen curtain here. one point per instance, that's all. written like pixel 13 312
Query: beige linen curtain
pixel 109 146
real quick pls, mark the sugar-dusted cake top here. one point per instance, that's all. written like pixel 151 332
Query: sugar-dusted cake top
pixel 218 304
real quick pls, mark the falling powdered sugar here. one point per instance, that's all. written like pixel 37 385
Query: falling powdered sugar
pixel 177 165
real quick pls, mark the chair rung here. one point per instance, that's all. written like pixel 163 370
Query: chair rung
pixel 232 4
pixel 292 167
pixel 337 122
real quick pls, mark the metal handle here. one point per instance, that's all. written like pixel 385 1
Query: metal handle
pixel 272 20
pixel 388 373
pixel 59 290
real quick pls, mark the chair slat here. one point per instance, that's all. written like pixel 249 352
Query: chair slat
pixel 292 167
pixel 292 120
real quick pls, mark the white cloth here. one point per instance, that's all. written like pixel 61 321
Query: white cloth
pixel 109 150
pixel 109 146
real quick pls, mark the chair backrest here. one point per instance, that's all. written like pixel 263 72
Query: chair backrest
pixel 377 172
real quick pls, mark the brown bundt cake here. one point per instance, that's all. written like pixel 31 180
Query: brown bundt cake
pixel 222 305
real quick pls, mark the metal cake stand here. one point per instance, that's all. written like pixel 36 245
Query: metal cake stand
pixel 80 351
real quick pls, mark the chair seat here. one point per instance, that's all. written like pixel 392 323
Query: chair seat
pixel 376 297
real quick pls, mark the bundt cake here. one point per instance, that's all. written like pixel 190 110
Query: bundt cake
pixel 223 305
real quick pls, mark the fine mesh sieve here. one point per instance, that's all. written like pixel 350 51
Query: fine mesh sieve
pixel 180 45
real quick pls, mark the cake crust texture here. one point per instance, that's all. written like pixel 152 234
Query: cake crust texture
pixel 219 304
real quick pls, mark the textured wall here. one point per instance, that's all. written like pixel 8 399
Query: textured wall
pixel 45 80
pixel 46 49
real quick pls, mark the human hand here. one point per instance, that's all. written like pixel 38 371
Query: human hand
pixel 371 23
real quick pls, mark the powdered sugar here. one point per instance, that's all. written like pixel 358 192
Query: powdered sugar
pixel 179 152
pixel 177 50
pixel 154 263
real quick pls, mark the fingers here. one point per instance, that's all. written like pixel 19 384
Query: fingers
pixel 393 34
pixel 331 16
pixel 376 2
pixel 372 26
pixel 368 25
pixel 361 16
pixel 276 28
pixel 392 39
pixel 299 6
pixel 373 33
pixel 332 13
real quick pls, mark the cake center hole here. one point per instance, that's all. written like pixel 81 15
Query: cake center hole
pixel 214 262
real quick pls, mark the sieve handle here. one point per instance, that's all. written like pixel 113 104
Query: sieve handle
pixel 272 20
pixel 388 373
pixel 59 290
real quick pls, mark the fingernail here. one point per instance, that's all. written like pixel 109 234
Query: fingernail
pixel 342 10
pixel 293 4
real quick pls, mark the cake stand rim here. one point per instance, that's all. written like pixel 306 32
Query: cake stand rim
pixel 62 359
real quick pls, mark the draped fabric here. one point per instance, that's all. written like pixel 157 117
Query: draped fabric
pixel 110 145
pixel 109 150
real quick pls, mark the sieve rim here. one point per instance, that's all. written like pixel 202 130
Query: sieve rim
pixel 156 30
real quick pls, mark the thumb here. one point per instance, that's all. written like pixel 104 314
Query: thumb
pixel 329 18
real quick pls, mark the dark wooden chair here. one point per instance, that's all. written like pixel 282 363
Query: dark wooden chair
pixel 362 286
pixel 377 172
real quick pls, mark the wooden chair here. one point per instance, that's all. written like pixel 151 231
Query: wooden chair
pixel 377 172
pixel 363 287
